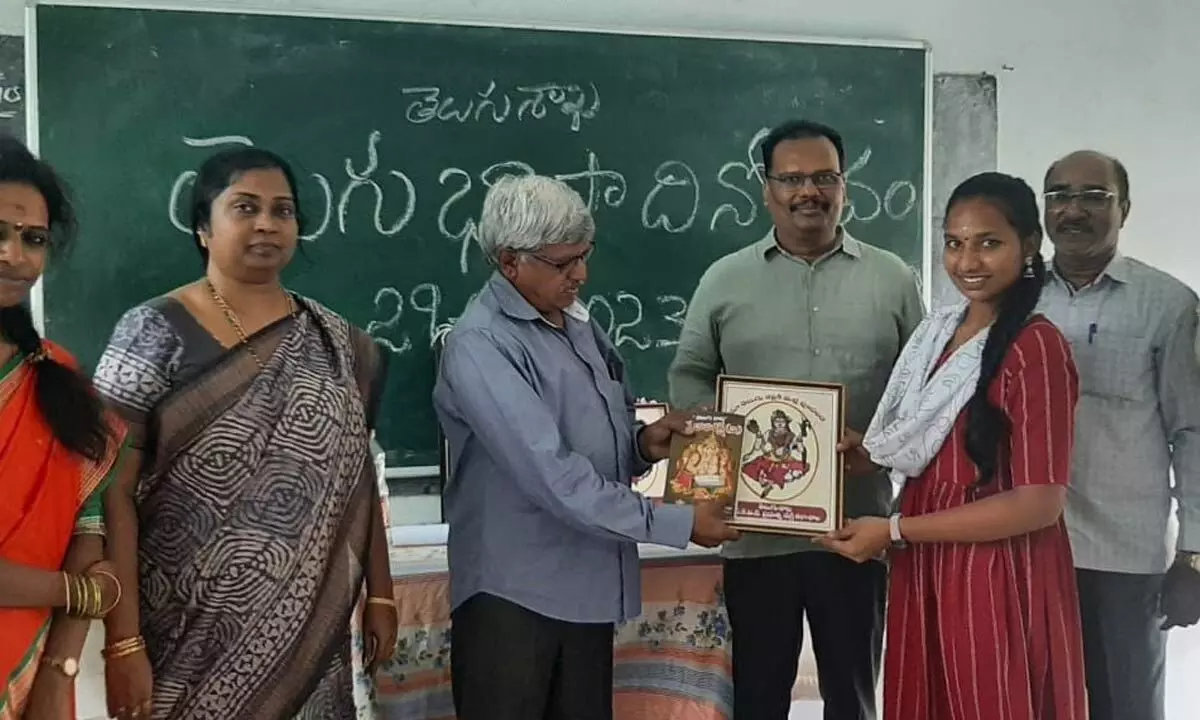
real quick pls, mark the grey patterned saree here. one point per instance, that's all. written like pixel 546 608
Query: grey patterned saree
pixel 254 508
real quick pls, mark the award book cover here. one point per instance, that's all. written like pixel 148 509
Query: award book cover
pixel 704 465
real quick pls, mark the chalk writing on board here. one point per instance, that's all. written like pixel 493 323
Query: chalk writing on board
pixel 11 96
pixel 672 174
pixel 629 321
pixel 901 196
pixel 183 181
pixel 613 195
pixel 390 303
pixel 621 314
pixel 606 185
pixel 671 205
pixel 218 140
pixel 577 102
pixel 751 169
pixel 863 202
pixel 363 179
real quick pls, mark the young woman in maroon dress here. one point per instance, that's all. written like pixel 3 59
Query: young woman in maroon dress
pixel 976 426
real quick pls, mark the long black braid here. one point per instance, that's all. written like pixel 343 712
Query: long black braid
pixel 988 428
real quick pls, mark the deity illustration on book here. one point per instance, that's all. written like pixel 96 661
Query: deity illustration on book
pixel 703 466
pixel 779 456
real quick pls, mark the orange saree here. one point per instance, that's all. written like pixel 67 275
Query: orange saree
pixel 48 496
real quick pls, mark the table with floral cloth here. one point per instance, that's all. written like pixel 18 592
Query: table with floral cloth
pixel 671 663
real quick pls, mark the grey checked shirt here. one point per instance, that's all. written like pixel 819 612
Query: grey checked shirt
pixel 1133 333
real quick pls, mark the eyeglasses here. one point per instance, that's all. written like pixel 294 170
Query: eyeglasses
pixel 823 180
pixel 1093 199
pixel 31 235
pixel 565 266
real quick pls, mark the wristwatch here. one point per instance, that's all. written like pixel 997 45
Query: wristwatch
pixel 66 666
pixel 894 531
pixel 1191 560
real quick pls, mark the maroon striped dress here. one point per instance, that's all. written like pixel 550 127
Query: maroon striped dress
pixel 990 631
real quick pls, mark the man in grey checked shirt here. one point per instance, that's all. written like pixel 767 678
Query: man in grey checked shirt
pixel 1132 328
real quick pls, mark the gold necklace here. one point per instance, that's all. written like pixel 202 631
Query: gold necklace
pixel 232 317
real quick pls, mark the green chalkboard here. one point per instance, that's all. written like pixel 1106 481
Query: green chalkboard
pixel 397 128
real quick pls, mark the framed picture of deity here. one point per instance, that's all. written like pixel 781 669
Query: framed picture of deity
pixel 654 483
pixel 790 476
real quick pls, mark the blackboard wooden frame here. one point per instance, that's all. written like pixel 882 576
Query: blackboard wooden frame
pixel 247 8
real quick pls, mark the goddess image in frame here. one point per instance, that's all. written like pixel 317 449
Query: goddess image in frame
pixel 778 459
pixel 790 480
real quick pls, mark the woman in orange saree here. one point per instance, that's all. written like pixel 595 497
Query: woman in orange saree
pixel 57 451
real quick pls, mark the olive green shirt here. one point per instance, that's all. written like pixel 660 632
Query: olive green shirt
pixel 840 319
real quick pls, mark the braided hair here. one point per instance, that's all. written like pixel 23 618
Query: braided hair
pixel 64 396
pixel 988 428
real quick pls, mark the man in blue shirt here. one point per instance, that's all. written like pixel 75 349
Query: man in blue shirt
pixel 539 418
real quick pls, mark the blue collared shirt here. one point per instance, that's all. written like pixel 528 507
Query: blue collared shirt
pixel 543 446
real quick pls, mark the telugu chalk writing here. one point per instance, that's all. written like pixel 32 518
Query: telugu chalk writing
pixel 577 102
pixel 671 205
pixel 363 179
pixel 672 174
pixel 750 170
pixel 367 184
pixel 863 202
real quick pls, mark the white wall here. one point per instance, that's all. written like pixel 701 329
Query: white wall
pixel 1116 76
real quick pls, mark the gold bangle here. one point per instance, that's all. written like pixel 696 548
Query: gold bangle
pixel 99 590
pixel 101 612
pixel 91 592
pixel 123 644
pixel 77 597
pixel 122 648
pixel 67 590
pixel 118 654
pixel 81 588
pixel 390 602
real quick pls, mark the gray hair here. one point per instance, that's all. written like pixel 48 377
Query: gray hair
pixel 525 213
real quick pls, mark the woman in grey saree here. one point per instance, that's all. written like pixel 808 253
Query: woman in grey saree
pixel 257 513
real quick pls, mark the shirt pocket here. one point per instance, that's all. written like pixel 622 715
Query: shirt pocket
pixel 1116 366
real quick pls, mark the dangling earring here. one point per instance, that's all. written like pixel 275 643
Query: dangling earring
pixel 1028 267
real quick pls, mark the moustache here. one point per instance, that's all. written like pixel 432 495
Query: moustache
pixel 821 205
pixel 1074 226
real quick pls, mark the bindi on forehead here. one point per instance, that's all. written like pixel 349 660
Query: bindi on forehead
pixel 23 205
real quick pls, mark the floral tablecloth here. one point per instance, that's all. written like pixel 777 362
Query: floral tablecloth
pixel 672 663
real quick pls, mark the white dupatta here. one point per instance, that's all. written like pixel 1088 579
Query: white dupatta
pixel 918 410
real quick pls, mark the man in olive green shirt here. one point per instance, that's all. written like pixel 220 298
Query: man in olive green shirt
pixel 807 302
